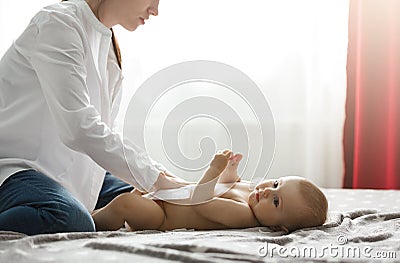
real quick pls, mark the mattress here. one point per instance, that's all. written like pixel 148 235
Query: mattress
pixel 362 226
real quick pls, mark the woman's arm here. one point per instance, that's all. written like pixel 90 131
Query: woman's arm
pixel 60 59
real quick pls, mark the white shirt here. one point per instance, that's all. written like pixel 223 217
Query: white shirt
pixel 60 90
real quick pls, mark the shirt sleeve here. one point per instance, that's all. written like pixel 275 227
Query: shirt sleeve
pixel 58 58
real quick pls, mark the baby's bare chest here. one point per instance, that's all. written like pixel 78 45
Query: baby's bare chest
pixel 239 192
pixel 184 216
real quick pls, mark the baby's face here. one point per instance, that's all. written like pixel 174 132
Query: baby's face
pixel 276 201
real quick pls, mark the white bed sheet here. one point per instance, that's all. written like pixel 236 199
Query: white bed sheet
pixel 358 220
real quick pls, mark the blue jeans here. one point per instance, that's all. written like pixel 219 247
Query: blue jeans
pixel 32 203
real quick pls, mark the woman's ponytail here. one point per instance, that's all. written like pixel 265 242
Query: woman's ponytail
pixel 116 49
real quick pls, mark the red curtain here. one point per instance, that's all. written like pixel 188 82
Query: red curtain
pixel 372 125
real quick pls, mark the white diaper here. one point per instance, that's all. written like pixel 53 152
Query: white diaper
pixel 184 192
pixel 171 194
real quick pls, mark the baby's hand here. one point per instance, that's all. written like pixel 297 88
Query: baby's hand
pixel 220 160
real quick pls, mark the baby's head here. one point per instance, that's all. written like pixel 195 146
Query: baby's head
pixel 290 202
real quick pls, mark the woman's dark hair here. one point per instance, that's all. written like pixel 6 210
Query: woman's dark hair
pixel 117 51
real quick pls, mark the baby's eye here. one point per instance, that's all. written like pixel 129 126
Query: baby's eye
pixel 276 201
pixel 276 184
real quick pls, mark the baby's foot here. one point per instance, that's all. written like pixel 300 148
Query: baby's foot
pixel 230 172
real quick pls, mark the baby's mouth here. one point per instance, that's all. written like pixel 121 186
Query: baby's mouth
pixel 257 196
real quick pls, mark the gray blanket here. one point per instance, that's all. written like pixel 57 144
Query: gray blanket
pixel 359 235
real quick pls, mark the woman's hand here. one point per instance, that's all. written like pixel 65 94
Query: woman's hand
pixel 168 181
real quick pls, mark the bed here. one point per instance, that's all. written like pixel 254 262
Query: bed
pixel 363 225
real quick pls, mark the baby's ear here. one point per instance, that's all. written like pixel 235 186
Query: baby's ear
pixel 280 228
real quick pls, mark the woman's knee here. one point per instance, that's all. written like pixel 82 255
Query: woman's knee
pixel 71 217
pixel 32 203
pixel 46 219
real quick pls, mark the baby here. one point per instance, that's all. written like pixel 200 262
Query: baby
pixel 287 203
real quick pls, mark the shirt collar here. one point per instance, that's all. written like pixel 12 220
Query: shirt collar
pixel 91 18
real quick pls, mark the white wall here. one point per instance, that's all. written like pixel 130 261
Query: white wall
pixel 294 50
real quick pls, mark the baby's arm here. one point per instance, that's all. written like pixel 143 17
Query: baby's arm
pixel 139 212
pixel 204 189
pixel 230 174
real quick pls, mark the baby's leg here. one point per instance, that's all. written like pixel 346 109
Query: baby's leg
pixel 139 212
pixel 230 175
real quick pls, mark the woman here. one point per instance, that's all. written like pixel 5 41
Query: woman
pixel 60 89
